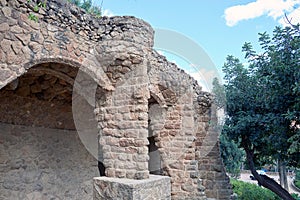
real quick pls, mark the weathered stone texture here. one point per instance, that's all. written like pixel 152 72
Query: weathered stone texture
pixel 43 163
pixel 42 65
pixel 156 187
pixel 211 168
pixel 42 97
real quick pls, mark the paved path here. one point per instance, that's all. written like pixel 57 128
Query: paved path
pixel 246 177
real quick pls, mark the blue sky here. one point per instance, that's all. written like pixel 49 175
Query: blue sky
pixel 220 27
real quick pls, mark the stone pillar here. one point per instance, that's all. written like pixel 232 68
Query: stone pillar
pixel 124 123
pixel 211 168
pixel 123 113
pixel 176 143
pixel 156 187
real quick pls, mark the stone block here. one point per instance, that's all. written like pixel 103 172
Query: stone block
pixel 156 187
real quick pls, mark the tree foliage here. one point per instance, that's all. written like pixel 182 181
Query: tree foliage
pixel 219 92
pixel 263 102
pixel 232 156
pixel 88 6
pixel 84 4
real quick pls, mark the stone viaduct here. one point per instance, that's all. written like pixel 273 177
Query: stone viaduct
pixel 152 119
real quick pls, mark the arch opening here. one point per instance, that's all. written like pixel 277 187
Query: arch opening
pixel 42 155
pixel 155 118
pixel 41 97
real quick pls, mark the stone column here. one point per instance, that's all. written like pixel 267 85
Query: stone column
pixel 123 113
pixel 123 120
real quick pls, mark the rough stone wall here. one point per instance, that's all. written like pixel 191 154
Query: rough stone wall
pixel 117 54
pixel 40 99
pixel 123 113
pixel 175 135
pixel 211 168
pixel 43 163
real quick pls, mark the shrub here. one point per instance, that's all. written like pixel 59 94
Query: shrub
pixel 249 191
pixel 297 179
pixel 296 196
pixel 297 183
pixel 297 175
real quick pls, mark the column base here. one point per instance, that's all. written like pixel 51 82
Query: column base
pixel 153 188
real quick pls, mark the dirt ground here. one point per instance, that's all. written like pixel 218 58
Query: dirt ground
pixel 246 177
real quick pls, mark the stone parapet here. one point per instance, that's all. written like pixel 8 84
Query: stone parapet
pixel 70 17
pixel 156 187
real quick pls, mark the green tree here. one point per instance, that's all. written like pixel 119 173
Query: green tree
pixel 219 94
pixel 262 102
pixel 231 154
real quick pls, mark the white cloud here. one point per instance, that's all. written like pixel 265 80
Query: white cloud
pixel 293 17
pixel 108 13
pixel 272 8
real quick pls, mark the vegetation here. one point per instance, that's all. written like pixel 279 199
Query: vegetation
pixel 296 196
pixel 297 179
pixel 219 92
pixel 232 155
pixel 249 191
pixel 88 6
pixel 263 103
pixel 297 183
pixel 36 8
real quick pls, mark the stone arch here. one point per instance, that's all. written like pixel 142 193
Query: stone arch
pixel 116 53
pixel 89 66
pixel 88 72
pixel 43 150
pixel 34 83
pixel 156 119
pixel 176 141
